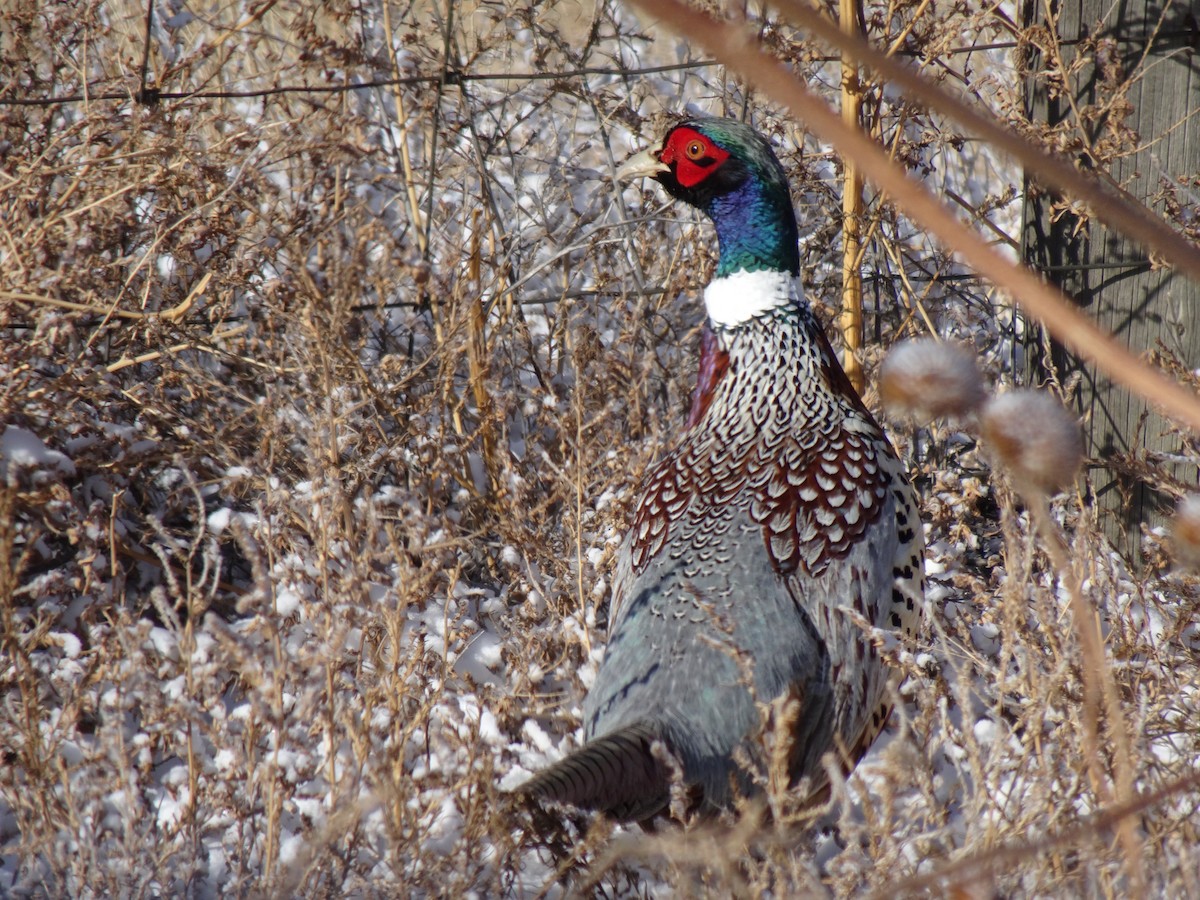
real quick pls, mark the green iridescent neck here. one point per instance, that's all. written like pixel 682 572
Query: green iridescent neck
pixel 756 230
pixel 753 214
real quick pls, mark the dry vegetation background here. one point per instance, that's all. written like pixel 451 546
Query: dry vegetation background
pixel 322 412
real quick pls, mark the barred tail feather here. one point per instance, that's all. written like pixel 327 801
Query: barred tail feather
pixel 617 774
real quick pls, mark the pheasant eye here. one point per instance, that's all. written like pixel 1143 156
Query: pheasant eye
pixel 695 150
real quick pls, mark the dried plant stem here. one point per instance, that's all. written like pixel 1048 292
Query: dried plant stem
pixel 414 205
pixel 733 46
pixel 1100 692
pixel 784 714
pixel 852 213
pixel 14 648
pixel 174 314
pixel 126 361
pixel 238 30
pixel 917 299
pixel 898 41
pixel 477 357
pixel 580 468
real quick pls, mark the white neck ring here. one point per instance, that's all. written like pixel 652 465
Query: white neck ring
pixel 742 296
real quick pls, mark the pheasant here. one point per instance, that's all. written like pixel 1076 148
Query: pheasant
pixel 782 512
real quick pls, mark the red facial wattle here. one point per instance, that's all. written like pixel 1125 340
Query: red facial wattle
pixel 692 156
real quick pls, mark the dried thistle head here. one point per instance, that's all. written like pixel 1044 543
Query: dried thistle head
pixel 1185 532
pixel 1034 436
pixel 926 379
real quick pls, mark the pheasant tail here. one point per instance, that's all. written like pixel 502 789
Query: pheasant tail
pixel 618 774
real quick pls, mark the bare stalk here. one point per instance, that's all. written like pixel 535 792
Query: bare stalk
pixel 1099 692
pixel 852 213
pixel 477 357
pixel 414 205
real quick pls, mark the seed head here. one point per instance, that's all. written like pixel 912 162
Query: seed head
pixel 925 379
pixel 1035 437
pixel 1185 532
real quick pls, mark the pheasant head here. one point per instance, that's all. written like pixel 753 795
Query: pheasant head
pixel 728 171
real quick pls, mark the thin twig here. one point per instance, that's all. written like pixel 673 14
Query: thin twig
pixel 1099 689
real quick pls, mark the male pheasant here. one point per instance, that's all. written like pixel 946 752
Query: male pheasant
pixel 781 513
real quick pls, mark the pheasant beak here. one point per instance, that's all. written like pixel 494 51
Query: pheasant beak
pixel 644 164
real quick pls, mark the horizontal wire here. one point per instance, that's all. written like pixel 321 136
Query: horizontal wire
pixel 149 96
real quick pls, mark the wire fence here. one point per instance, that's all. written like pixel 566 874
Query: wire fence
pixel 449 74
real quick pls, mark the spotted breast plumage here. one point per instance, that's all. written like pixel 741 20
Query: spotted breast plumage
pixel 778 523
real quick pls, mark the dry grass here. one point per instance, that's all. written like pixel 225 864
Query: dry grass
pixel 355 388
